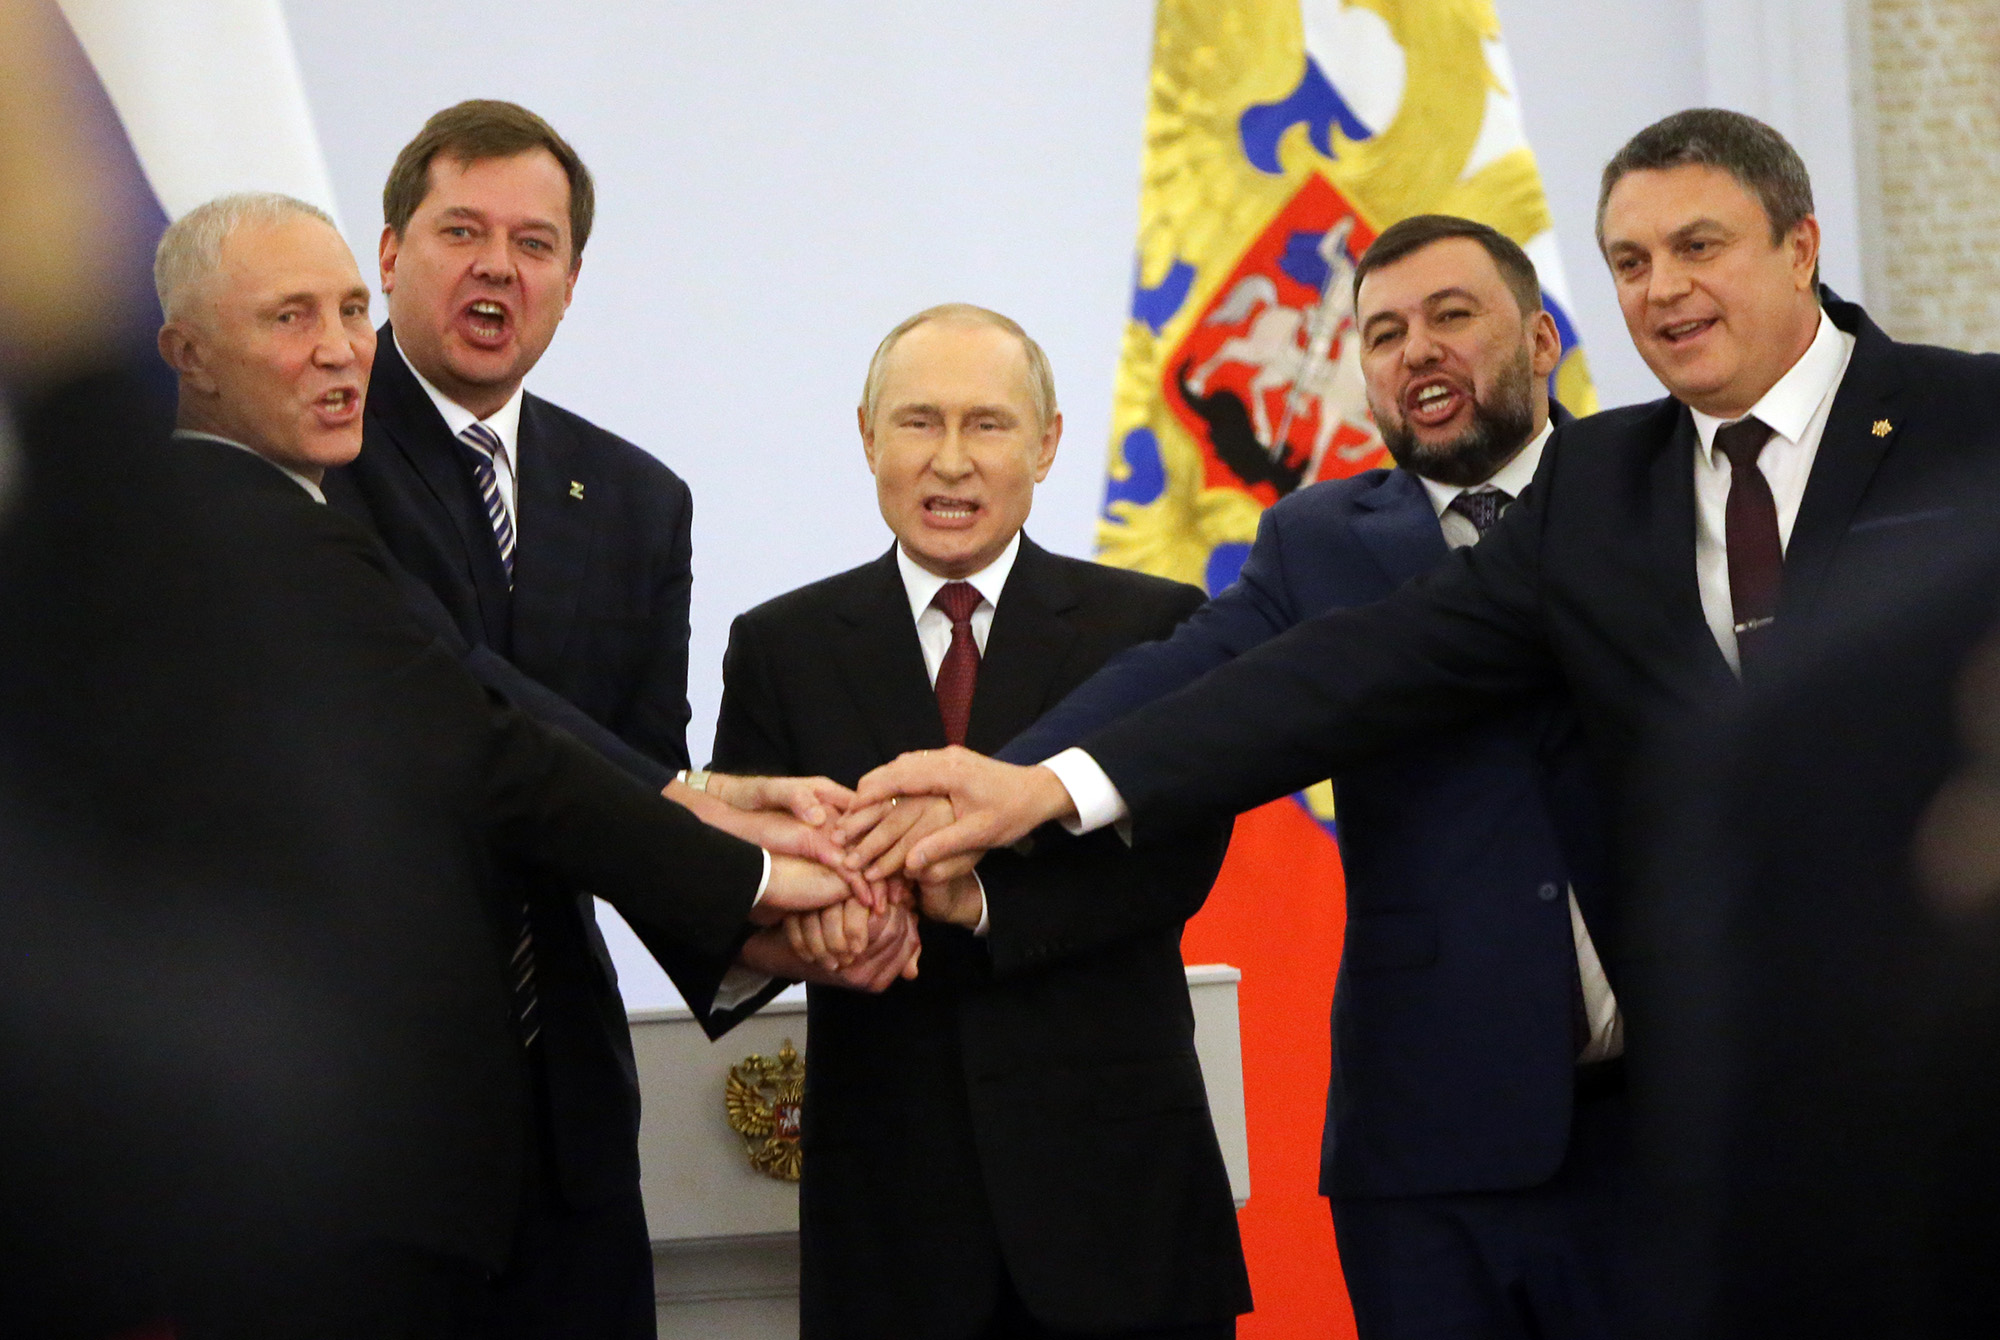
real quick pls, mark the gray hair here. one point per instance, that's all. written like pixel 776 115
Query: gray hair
pixel 1041 379
pixel 190 251
pixel 1744 147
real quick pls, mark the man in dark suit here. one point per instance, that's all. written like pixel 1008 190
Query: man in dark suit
pixel 1472 1163
pixel 1017 1142
pixel 340 799
pixel 1804 464
pixel 559 554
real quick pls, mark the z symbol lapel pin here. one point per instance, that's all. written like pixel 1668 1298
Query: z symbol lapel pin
pixel 576 489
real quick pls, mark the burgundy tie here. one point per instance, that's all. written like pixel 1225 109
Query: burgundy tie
pixel 1750 531
pixel 960 668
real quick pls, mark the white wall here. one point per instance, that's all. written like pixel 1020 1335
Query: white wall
pixel 779 184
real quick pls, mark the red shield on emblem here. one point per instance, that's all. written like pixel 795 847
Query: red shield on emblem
pixel 1269 377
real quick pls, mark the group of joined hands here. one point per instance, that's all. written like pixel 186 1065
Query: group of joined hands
pixel 853 870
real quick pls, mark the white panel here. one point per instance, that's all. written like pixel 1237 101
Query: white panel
pixel 210 94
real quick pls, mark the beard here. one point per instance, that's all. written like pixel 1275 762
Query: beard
pixel 1500 427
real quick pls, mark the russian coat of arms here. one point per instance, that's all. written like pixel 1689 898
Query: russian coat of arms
pixel 763 1097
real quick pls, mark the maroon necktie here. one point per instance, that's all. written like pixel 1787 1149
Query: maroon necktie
pixel 960 668
pixel 1750 530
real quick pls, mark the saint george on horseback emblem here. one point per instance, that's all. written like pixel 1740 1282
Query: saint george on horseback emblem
pixel 1268 378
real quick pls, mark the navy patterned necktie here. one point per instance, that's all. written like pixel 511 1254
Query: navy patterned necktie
pixel 485 445
pixel 959 670
pixel 1482 508
pixel 1750 534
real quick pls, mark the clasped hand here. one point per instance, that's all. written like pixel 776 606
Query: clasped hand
pixel 829 915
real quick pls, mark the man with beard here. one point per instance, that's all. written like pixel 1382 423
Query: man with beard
pixel 1475 1137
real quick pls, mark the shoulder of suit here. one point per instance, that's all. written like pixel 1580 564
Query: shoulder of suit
pixel 607 451
pixel 1121 591
pixel 814 598
pixel 1641 424
pixel 1329 495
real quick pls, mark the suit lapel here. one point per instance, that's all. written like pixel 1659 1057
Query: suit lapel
pixel 883 663
pixel 1026 649
pixel 1849 452
pixel 412 424
pixel 1398 526
pixel 557 524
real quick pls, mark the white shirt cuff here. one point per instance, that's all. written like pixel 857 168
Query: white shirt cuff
pixel 763 880
pixel 985 921
pixel 738 985
pixel 1098 804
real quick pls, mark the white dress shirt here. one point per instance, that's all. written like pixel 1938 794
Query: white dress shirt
pixel 505 423
pixel 934 626
pixel 1795 410
pixel 1087 783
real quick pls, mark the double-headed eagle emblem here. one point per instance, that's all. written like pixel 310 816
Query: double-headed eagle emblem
pixel 763 1097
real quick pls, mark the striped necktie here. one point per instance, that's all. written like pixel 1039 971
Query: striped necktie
pixel 1481 508
pixel 485 445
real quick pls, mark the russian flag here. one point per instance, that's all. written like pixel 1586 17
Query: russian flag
pixel 208 97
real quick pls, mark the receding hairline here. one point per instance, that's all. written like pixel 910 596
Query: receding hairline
pixel 1037 377
pixel 189 257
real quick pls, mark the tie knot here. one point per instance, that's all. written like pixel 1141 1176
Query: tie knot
pixel 481 439
pixel 957 600
pixel 1482 507
pixel 1741 441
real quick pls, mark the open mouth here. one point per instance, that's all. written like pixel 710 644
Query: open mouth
pixel 951 511
pixel 338 406
pixel 1684 332
pixel 1433 401
pixel 485 321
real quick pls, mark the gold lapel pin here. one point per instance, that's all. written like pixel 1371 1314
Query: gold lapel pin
pixel 576 486
pixel 1882 428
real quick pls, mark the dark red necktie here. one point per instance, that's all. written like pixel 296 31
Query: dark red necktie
pixel 960 667
pixel 1750 531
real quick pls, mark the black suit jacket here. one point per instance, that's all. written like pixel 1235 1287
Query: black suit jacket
pixel 213 685
pixel 1588 584
pixel 1827 1102
pixel 592 638
pixel 1033 1099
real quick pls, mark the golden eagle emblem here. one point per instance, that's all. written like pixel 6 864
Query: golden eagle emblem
pixel 764 1096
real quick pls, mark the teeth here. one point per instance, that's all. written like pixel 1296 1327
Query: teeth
pixel 951 505
pixel 1431 395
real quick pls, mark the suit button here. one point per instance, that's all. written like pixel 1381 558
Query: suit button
pixel 1547 893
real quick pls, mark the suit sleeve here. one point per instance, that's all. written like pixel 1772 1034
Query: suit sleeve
pixel 1254 609
pixel 501 676
pixel 659 715
pixel 1075 895
pixel 1344 687
pixel 535 792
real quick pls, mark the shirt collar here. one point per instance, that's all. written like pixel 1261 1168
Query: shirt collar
pixel 1510 478
pixel 505 421
pixel 1788 407
pixel 922 587
pixel 191 435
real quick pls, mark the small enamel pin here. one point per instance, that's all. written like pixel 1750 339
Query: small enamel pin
pixel 576 486
pixel 1882 428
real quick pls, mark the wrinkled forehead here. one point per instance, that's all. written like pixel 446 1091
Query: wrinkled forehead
pixel 947 362
pixel 263 265
pixel 1431 272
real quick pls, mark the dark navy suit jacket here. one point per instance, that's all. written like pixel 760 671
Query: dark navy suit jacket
pixel 1453 1051
pixel 592 638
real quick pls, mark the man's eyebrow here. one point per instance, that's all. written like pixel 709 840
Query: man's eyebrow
pixel 1694 226
pixel 1378 319
pixel 1452 291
